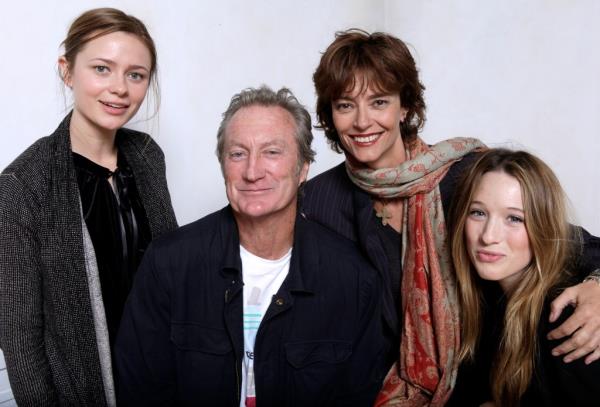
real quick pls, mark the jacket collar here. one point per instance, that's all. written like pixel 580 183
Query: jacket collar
pixel 230 262
pixel 305 253
pixel 61 150
pixel 305 258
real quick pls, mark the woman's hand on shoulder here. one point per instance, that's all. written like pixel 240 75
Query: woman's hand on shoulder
pixel 583 326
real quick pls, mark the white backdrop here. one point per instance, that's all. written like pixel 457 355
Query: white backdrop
pixel 514 73
pixel 207 51
pixel 523 74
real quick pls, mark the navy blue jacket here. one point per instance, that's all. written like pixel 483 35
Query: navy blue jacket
pixel 181 337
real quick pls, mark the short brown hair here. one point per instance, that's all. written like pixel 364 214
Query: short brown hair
pixel 384 61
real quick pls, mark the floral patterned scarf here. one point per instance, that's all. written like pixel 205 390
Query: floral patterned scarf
pixel 426 371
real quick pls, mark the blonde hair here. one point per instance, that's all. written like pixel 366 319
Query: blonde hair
pixel 551 245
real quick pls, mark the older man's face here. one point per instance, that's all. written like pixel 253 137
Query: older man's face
pixel 260 162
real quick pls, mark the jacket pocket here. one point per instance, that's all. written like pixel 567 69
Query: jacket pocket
pixel 192 337
pixel 205 364
pixel 315 372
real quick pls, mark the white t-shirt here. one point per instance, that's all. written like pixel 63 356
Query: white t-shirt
pixel 262 279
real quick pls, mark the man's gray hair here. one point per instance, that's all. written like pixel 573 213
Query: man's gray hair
pixel 265 96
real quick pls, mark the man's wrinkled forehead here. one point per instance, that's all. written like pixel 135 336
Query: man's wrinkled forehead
pixel 260 124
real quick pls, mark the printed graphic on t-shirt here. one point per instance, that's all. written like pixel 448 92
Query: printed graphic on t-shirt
pixel 262 279
pixel 252 317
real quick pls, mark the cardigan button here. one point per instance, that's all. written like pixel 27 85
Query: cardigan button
pixel 279 301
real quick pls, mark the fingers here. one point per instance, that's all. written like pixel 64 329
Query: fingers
pixel 567 297
pixel 580 345
pixel 570 346
pixel 567 328
pixel 584 328
pixel 592 357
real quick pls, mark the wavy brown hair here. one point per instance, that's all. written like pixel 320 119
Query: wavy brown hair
pixel 549 233
pixel 379 60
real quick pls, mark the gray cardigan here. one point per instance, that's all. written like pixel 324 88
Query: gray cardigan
pixel 52 324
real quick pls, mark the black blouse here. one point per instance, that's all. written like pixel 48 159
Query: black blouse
pixel 118 228
pixel 391 241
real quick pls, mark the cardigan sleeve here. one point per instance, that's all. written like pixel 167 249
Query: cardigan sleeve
pixel 21 302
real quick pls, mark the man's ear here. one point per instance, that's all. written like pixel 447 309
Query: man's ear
pixel 304 172
pixel 65 73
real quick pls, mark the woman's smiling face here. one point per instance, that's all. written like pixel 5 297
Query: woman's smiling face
pixel 109 80
pixel 368 124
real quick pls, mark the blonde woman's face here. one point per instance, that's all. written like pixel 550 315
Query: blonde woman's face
pixel 495 232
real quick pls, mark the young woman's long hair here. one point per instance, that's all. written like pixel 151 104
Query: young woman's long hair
pixel 551 244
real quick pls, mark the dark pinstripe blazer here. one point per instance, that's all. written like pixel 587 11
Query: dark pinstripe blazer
pixel 47 329
pixel 332 200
